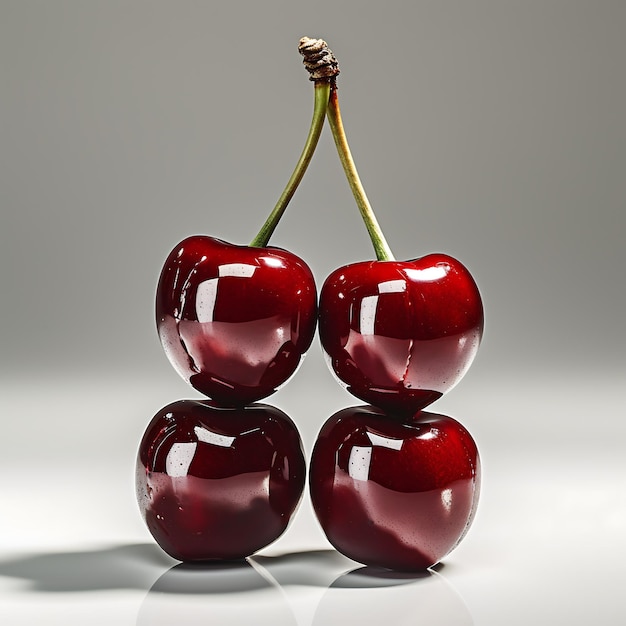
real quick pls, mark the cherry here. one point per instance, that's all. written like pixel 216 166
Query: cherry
pixel 401 334
pixel 235 321
pixel 396 334
pixel 394 492
pixel 218 483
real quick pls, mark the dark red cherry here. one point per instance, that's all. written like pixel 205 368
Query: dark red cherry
pixel 393 492
pixel 400 334
pixel 218 483
pixel 235 321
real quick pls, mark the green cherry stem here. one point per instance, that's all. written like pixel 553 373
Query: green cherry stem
pixel 322 93
pixel 322 65
pixel 381 247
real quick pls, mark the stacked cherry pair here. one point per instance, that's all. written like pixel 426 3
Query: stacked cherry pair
pixel 391 485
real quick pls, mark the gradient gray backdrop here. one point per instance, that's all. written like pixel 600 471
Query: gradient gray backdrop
pixel 493 131
pixel 490 130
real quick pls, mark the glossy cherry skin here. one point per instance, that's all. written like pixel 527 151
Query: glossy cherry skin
pixel 394 492
pixel 218 483
pixel 235 321
pixel 399 334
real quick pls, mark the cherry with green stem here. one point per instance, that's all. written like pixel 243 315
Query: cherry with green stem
pixel 235 321
pixel 397 334
pixel 392 485
pixel 220 479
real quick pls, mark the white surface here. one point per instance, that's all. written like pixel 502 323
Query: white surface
pixel 547 544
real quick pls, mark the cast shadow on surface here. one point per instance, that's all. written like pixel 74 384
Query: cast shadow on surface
pixel 172 587
pixel 142 566
pixel 147 567
pixel 129 566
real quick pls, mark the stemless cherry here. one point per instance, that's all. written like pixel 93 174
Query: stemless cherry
pixel 233 320
pixel 392 492
pixel 401 334
pixel 218 483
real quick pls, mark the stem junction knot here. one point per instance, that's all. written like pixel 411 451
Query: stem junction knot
pixel 318 59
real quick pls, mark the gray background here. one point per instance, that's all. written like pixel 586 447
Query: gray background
pixel 493 131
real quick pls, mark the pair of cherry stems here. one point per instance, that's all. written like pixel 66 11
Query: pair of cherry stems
pixel 327 105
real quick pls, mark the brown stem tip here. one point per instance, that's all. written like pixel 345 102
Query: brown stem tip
pixel 318 59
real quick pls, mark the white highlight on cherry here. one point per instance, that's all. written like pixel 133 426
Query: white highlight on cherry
pixel 206 292
pixel 359 462
pixel 241 270
pixel 208 436
pixel 367 317
pixel 206 296
pixel 179 459
pixel 428 274
pixel 273 261
pixel 392 286
pixel 361 456
pixel 385 442
pixel 369 304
